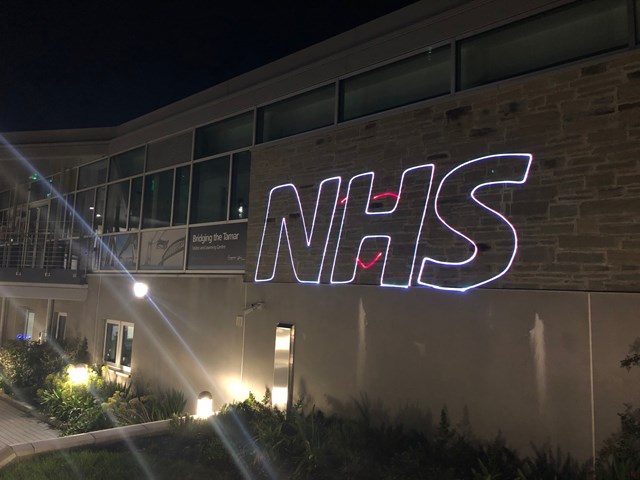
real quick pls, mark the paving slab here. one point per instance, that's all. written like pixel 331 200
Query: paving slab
pixel 18 427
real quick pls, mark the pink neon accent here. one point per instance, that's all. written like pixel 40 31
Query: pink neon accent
pixel 370 264
pixel 344 200
pixel 386 194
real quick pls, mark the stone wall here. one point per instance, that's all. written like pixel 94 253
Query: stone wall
pixel 577 216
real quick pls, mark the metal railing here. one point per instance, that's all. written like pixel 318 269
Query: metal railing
pixel 45 251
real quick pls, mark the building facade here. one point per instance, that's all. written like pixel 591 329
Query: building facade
pixel 438 208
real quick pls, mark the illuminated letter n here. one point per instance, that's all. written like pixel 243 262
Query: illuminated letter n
pixel 286 225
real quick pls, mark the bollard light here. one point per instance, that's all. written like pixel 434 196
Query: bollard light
pixel 204 408
pixel 78 374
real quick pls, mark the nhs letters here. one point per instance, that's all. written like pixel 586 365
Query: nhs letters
pixel 325 242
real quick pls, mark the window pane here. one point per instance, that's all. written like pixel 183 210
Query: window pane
pixel 116 211
pixel 181 196
pixel 111 343
pixel 158 190
pixel 136 203
pixel 5 199
pixel 39 190
pixel 127 164
pixel 240 186
pixel 297 114
pixel 68 214
pixel 83 221
pixel 68 182
pixel 170 151
pixel 127 346
pixel 61 327
pixel 93 174
pixel 230 134
pixel 637 20
pixel 570 33
pixel 99 209
pixel 412 80
pixel 209 191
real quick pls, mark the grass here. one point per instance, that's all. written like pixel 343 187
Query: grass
pixel 113 462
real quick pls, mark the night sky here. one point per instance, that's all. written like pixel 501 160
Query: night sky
pixel 95 63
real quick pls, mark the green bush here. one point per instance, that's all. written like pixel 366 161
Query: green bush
pixel 263 442
pixel 128 409
pixel 24 366
pixel 78 408
pixel 620 457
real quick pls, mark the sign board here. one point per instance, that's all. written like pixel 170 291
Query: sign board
pixel 217 247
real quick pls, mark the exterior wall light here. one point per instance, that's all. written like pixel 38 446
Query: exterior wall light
pixel 204 408
pixel 78 374
pixel 140 289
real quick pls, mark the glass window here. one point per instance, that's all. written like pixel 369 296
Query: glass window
pixel 638 21
pixel 118 344
pixel 223 136
pixel 40 189
pixel 111 343
pixel 127 164
pixel 239 207
pixel 565 34
pixel 210 190
pixel 298 114
pixel 181 195
pixel 411 80
pixel 135 204
pixel 170 151
pixel 92 174
pixel 117 207
pixel 68 181
pixel 127 346
pixel 85 207
pixel 158 190
pixel 98 221
pixel 68 214
pixel 5 199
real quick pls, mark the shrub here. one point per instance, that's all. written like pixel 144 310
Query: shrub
pixel 77 407
pixel 24 366
pixel 128 409
pixel 265 443
pixel 620 456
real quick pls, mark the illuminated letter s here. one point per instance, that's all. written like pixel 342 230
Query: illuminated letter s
pixel 306 244
pixel 496 258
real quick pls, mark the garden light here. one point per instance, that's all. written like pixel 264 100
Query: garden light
pixel 140 289
pixel 78 374
pixel 204 409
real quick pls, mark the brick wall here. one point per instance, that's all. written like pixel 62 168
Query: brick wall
pixel 577 216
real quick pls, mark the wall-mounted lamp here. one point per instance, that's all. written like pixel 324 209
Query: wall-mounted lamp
pixel 204 408
pixel 140 289
pixel 253 307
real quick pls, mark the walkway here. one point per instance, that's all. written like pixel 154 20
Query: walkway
pixel 18 427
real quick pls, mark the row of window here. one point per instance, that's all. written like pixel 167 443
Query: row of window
pixel 565 34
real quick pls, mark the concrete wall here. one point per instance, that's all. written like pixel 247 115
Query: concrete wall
pixel 518 362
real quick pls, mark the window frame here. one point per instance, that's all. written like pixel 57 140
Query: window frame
pixel 117 365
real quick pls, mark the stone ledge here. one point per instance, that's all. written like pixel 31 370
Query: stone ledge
pixel 100 437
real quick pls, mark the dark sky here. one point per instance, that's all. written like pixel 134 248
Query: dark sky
pixel 93 63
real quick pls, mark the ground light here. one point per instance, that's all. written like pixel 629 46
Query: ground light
pixel 140 289
pixel 78 374
pixel 204 409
